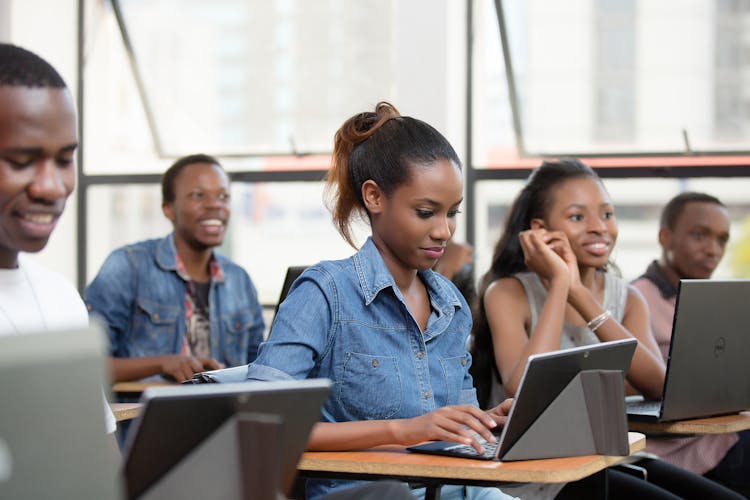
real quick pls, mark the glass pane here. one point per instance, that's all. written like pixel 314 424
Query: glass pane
pixel 119 215
pixel 493 138
pixel 277 225
pixel 259 77
pixel 622 76
pixel 117 138
pixel 638 205
pixel 273 226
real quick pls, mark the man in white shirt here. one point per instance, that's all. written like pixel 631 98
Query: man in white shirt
pixel 38 139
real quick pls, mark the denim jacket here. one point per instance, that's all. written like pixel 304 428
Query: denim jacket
pixel 141 297
pixel 348 321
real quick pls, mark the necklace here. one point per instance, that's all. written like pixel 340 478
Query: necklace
pixel 9 317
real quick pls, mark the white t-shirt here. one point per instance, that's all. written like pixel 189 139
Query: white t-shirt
pixel 36 299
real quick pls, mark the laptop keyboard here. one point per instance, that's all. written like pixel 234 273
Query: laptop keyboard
pixel 644 407
pixel 467 451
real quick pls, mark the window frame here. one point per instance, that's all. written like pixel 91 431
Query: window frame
pixel 614 165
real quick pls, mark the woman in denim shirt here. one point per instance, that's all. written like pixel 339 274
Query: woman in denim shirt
pixel 388 331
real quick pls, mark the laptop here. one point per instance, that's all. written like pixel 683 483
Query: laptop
pixel 708 372
pixel 545 377
pixel 186 443
pixel 53 441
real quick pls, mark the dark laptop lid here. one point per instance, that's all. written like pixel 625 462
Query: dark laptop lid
pixel 545 377
pixel 177 420
pixel 547 374
pixel 708 370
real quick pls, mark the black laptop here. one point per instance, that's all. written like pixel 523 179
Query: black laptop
pixel 545 377
pixel 708 371
pixel 185 443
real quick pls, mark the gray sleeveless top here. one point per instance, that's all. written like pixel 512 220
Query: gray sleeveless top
pixel 615 297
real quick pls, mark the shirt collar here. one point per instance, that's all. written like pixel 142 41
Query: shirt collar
pixel 374 277
pixel 167 257
pixel 658 277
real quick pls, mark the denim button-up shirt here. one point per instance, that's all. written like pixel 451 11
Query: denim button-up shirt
pixel 348 321
pixel 141 297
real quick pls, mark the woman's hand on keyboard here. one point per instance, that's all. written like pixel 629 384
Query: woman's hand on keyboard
pixel 500 413
pixel 457 424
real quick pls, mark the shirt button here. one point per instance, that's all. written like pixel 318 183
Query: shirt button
pixel 426 394
pixel 156 317
pixel 237 326
pixel 463 361
pixel 420 355
pixel 375 363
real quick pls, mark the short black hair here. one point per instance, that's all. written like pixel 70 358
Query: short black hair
pixel 22 68
pixel 167 180
pixel 676 205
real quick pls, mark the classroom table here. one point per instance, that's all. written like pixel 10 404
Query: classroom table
pixel 136 388
pixel 395 462
pixel 723 424
pixel 126 411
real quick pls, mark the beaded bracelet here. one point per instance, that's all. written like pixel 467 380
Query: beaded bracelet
pixel 598 321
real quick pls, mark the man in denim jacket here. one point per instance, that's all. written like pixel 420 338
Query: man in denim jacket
pixel 174 307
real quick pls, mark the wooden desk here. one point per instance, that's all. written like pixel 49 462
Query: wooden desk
pixel 395 462
pixel 135 387
pixel 713 425
pixel 126 411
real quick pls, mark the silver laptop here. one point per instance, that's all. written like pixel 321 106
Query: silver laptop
pixel 545 377
pixel 186 443
pixel 53 442
pixel 708 372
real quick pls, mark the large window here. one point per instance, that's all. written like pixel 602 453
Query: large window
pixel 641 90
pixel 652 94
pixel 625 76
pixel 252 78
pixel 263 85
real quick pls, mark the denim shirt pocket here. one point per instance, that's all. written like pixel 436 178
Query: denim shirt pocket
pixel 454 371
pixel 156 326
pixel 370 388
pixel 236 337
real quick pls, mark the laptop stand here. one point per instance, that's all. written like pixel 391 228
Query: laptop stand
pixel 586 418
pixel 240 460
